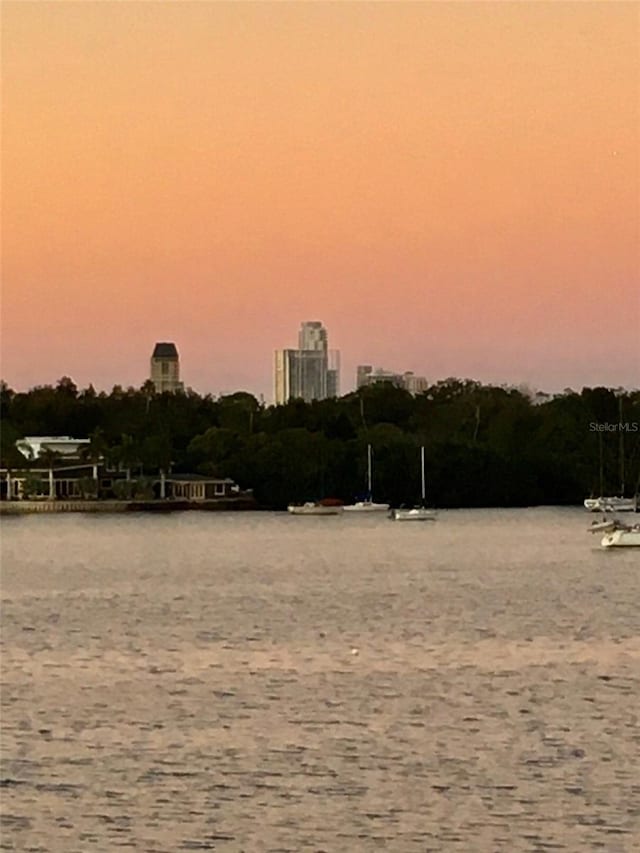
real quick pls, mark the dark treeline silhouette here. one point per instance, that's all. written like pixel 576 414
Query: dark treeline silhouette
pixel 485 445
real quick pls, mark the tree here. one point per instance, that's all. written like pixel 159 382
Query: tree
pixel 32 485
pixel 96 450
pixel 49 458
pixel 126 454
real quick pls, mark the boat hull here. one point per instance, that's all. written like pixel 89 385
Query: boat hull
pixel 621 539
pixel 314 509
pixel 366 506
pixel 610 504
pixel 416 514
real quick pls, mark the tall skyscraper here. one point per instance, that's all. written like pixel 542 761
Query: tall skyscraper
pixel 311 372
pixel 165 368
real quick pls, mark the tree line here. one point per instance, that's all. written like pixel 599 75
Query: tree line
pixel 485 445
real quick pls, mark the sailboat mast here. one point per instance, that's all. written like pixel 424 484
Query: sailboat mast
pixel 369 471
pixel 601 464
pixel 423 480
pixel 621 447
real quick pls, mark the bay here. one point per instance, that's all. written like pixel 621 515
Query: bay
pixel 257 681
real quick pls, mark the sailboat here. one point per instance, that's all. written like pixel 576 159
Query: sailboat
pixel 416 513
pixel 368 504
pixel 613 503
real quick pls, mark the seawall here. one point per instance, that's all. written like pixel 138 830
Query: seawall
pixel 216 505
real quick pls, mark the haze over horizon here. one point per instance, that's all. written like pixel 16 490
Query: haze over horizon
pixel 451 188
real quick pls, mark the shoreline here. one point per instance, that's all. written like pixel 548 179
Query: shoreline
pixel 114 506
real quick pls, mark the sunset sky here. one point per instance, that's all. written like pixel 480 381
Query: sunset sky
pixel 451 188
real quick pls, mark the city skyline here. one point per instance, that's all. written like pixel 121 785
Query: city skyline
pixel 452 187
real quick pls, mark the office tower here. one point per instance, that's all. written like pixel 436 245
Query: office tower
pixel 165 368
pixel 311 372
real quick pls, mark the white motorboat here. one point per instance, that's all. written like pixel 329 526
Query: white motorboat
pixel 617 534
pixel 416 513
pixel 610 504
pixel 368 504
pixel 315 508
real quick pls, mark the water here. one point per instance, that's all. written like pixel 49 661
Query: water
pixel 262 682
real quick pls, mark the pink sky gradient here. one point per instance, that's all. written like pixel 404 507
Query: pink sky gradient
pixel 451 188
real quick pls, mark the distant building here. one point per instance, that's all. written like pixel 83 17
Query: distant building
pixel 414 384
pixel 165 368
pixel 366 374
pixel 312 372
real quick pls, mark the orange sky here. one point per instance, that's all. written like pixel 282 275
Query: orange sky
pixel 452 188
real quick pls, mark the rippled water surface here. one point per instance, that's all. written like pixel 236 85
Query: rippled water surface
pixel 250 682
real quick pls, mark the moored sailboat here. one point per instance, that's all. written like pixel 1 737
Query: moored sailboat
pixel 367 504
pixel 416 513
pixel 612 503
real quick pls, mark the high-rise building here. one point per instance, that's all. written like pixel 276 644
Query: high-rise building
pixel 311 372
pixel 165 368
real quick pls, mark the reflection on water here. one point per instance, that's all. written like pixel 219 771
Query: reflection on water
pixel 250 682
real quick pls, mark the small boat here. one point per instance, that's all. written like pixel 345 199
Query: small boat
pixel 416 513
pixel 367 504
pixel 617 534
pixel 316 508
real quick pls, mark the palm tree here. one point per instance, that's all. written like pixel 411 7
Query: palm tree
pixel 50 457
pixel 149 391
pixel 127 453
pixel 96 450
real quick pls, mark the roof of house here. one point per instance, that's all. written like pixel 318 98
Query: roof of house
pixel 165 349
pixel 32 446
